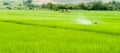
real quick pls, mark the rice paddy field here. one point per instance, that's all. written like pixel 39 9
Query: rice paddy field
pixel 45 31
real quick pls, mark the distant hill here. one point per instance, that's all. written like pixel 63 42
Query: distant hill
pixel 67 1
pixel 60 1
pixel 57 1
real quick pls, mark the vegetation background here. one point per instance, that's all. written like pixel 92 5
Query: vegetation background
pixel 92 27
pixel 27 4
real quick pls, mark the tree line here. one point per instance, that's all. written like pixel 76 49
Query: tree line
pixel 97 5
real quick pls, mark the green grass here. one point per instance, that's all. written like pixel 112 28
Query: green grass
pixel 44 31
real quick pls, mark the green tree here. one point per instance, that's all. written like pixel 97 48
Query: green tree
pixel 27 3
pixel 82 6
pixel 98 5
pixel 89 6
pixel 56 7
pixel 49 6
pixel 7 4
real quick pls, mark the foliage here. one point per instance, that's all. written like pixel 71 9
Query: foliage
pixel 97 5
pixel 82 6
